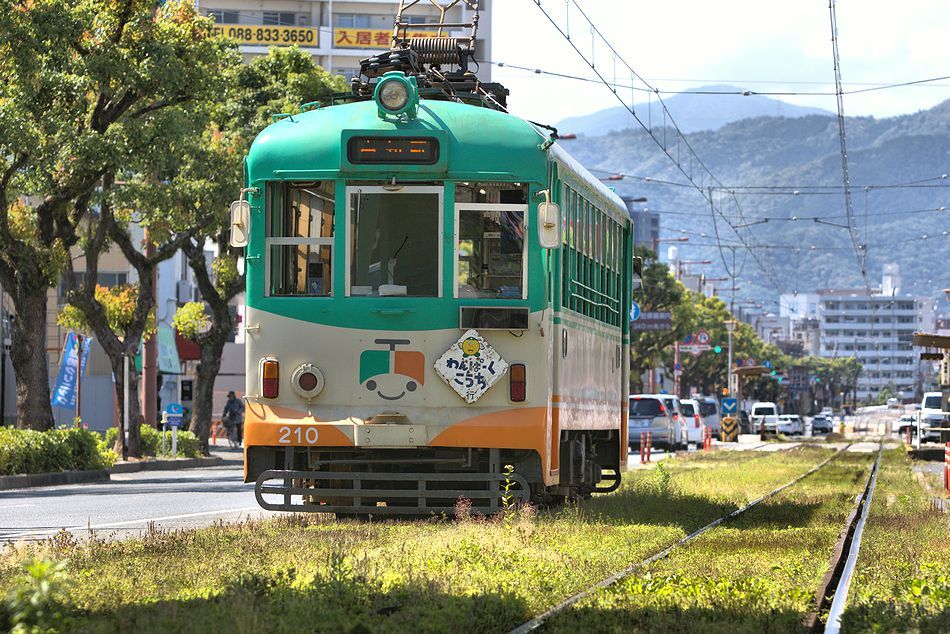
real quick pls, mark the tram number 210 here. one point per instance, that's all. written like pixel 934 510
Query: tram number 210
pixel 297 435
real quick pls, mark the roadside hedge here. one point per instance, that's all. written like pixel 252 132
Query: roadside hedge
pixel 188 445
pixel 27 451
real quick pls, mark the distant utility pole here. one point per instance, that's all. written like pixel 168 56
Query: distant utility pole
pixel 3 359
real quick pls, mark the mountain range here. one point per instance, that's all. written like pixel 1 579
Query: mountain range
pixel 898 169
pixel 693 110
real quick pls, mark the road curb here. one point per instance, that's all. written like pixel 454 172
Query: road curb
pixel 166 465
pixel 30 480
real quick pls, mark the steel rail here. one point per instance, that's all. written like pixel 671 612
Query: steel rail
pixel 539 620
pixel 840 599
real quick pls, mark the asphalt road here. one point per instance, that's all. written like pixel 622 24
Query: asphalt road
pixel 129 502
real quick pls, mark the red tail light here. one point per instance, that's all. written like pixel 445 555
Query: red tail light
pixel 696 416
pixel 518 382
pixel 270 378
pixel 662 409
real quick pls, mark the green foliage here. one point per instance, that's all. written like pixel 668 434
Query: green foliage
pixel 35 602
pixel 191 320
pixel 188 444
pixel 119 304
pixel 28 451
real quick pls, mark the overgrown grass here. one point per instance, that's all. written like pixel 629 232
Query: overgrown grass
pixel 758 573
pixel 902 581
pixel 318 574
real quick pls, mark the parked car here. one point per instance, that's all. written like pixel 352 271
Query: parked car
pixel 904 422
pixel 790 424
pixel 648 413
pixel 709 410
pixel 764 412
pixel 931 416
pixel 692 419
pixel 893 403
pixel 821 424
pixel 679 428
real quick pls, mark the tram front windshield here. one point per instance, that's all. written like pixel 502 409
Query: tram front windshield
pixel 394 247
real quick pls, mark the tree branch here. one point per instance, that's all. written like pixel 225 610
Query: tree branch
pixel 158 105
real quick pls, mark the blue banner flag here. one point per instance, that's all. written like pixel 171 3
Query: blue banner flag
pixel 64 393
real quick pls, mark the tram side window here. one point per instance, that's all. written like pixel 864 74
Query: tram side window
pixel 300 239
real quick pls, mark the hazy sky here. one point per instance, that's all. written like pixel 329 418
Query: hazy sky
pixel 763 45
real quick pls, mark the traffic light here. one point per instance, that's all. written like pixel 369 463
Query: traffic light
pixel 773 373
pixel 717 349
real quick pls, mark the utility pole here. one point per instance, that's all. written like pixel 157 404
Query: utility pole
pixel 676 346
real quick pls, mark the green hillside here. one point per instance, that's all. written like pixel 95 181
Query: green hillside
pixel 801 153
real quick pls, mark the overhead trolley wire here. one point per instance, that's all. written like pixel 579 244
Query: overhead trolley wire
pixel 685 164
pixel 739 93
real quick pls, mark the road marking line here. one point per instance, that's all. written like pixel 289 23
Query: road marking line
pixel 126 522
pixel 15 506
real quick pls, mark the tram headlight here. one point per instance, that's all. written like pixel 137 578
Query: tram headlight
pixel 393 95
pixel 307 381
pixel 396 94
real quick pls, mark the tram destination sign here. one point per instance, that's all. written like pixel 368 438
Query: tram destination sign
pixel 393 149
pixel 653 321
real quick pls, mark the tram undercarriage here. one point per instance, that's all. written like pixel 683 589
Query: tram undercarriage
pixel 429 480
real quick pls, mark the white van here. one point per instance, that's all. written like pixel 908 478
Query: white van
pixel 766 412
pixel 931 415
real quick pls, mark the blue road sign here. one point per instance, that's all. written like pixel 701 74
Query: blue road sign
pixel 729 406
pixel 678 366
pixel 173 420
pixel 635 312
pixel 175 409
pixel 767 364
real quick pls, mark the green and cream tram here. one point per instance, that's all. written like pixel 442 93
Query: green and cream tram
pixel 435 291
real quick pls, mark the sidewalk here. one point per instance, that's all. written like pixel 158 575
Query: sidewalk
pixel 31 480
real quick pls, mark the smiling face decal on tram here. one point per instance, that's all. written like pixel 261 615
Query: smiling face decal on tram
pixel 406 366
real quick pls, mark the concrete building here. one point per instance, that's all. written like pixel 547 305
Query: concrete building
pixel 337 34
pixel 646 223
pixel 877 330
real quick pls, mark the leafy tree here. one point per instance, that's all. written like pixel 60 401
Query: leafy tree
pixel 86 88
pixel 278 82
pixel 661 293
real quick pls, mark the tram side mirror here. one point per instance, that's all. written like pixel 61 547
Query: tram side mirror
pixel 549 225
pixel 637 284
pixel 240 219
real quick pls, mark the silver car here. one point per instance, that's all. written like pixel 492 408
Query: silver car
pixel 648 413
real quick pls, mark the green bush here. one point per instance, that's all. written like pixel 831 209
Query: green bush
pixel 27 451
pixel 188 445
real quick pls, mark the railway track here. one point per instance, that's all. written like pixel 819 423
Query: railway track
pixel 832 596
pixel 833 591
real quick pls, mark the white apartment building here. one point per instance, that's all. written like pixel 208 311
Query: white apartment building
pixel 877 330
pixel 338 34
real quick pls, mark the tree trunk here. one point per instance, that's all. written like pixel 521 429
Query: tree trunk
pixel 212 347
pixel 135 413
pixel 118 371
pixel 28 354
